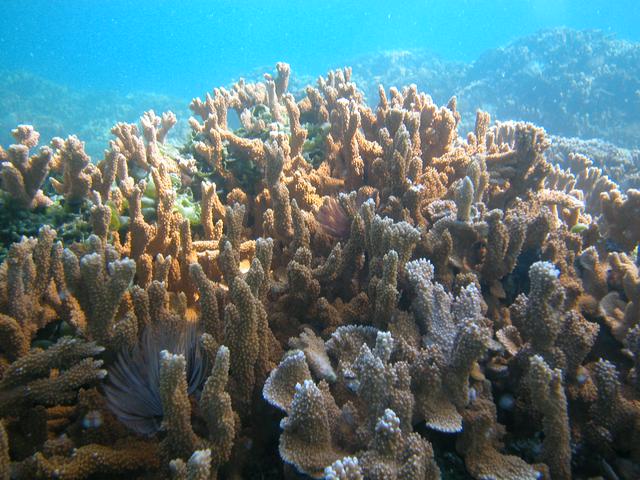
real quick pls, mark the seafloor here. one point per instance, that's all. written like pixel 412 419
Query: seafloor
pixel 317 284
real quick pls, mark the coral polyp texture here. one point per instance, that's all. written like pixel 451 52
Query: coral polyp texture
pixel 326 290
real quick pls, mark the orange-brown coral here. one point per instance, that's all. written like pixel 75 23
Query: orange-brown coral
pixel 410 272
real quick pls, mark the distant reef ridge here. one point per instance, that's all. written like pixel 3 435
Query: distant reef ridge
pixel 56 110
pixel 583 84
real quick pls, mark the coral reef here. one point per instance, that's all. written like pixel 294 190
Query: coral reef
pixel 577 83
pixel 566 72
pixel 619 164
pixel 329 290
pixel 88 113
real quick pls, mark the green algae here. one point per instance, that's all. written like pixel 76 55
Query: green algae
pixel 70 221
pixel 314 147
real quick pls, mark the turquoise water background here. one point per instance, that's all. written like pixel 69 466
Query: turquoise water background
pixel 184 48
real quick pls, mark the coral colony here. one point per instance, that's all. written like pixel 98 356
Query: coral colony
pixel 326 290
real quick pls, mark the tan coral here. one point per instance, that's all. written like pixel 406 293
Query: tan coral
pixel 520 169
pixel 26 382
pixel 25 291
pixel 215 406
pixel 306 438
pixel 551 401
pixel 26 135
pixel 617 208
pixel 479 445
pixel 346 468
pixel 22 175
pixel 248 337
pixel 315 354
pixel 279 388
pixel 197 468
pixel 394 222
pixel 76 169
pixel 622 315
pixel 99 286
pixel 90 459
pixel 394 455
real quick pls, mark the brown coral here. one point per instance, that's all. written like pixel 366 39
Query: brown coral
pixel 410 270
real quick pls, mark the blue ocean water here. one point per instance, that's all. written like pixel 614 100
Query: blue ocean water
pixel 184 48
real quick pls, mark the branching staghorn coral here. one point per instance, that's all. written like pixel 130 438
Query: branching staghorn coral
pixel 562 338
pixel 368 270
pixel 128 457
pixel 27 299
pixel 390 455
pixel 99 283
pixel 455 338
pixel 616 207
pixel 378 388
pixel 22 175
pixel 214 403
pixel 613 416
pixel 76 167
pixel 28 381
pixel 480 443
pixel 552 403
pixel 306 438
pixel 621 305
